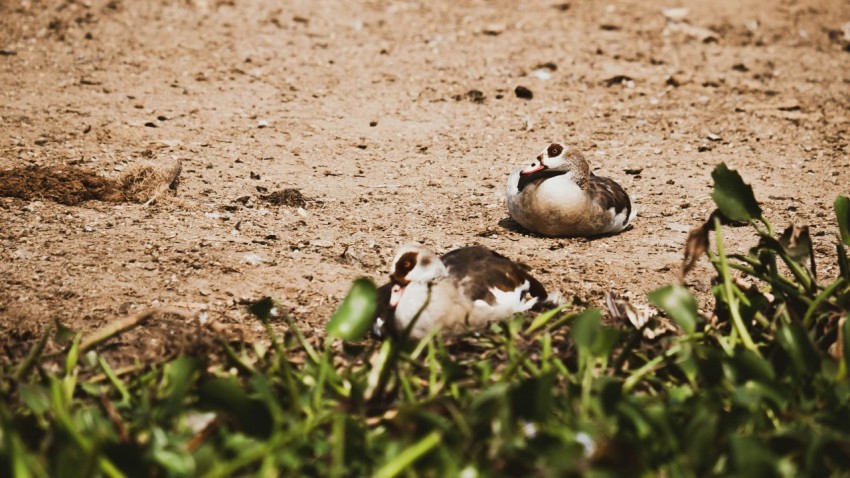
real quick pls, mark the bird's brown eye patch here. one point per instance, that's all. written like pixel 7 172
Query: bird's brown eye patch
pixel 554 150
pixel 403 267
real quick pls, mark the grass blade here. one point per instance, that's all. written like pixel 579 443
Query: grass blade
pixel 34 354
pixel 842 211
pixel 114 380
pixel 543 318
pixel 409 456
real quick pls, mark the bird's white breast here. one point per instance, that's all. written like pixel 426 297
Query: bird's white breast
pixel 441 305
pixel 547 206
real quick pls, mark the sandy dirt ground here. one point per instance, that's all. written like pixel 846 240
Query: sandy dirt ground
pixel 396 121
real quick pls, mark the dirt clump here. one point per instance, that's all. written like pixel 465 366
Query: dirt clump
pixel 286 197
pixel 63 184
pixel 72 185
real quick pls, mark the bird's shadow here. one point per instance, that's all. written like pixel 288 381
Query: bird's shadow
pixel 508 223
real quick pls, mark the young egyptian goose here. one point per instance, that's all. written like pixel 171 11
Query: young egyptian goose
pixel 465 289
pixel 558 196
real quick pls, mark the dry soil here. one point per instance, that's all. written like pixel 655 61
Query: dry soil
pixel 392 121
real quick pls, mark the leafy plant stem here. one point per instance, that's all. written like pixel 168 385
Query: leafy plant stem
pixel 283 362
pixel 409 456
pixel 34 354
pixel 820 299
pixel 800 274
pixel 725 345
pixel 395 349
pixel 734 309
pixel 338 466
pixel 586 382
pixel 234 357
pixel 778 282
pixel 767 224
pixel 114 380
pixel 649 367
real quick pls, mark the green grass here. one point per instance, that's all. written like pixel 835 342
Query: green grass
pixel 760 390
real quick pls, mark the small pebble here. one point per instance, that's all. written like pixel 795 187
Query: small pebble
pixel 542 74
pixel 252 259
pixel 523 92
pixel 494 29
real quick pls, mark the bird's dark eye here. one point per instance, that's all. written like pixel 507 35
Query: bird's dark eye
pixel 554 150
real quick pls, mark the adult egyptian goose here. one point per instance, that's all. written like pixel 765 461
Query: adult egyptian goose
pixel 463 290
pixel 558 196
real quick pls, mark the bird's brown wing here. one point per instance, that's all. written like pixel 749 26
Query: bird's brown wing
pixel 479 269
pixel 609 195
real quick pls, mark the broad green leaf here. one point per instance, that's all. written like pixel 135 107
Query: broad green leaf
pixel 751 457
pixel 606 339
pixel 63 334
pixel 585 328
pixel 610 392
pixel 180 376
pixel 709 363
pixel 842 210
pixel 797 344
pixel 638 418
pixel 93 389
pixel 531 399
pixel 176 461
pixel 678 304
pixel 772 394
pixel 228 396
pixel 35 397
pixel 746 365
pixel 355 315
pixel 701 430
pixel 264 391
pixel 734 197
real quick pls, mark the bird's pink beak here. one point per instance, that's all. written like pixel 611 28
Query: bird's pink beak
pixel 534 168
pixel 395 295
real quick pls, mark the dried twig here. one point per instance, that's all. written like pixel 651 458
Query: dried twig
pixel 122 325
pixel 33 356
